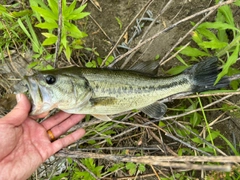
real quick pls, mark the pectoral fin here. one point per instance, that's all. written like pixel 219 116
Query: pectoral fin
pixel 155 110
pixel 102 117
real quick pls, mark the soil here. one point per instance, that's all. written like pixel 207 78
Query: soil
pixel 104 31
pixel 175 11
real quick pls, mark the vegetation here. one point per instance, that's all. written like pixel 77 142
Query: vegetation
pixel 187 125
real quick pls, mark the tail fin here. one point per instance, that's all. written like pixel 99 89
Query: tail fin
pixel 204 75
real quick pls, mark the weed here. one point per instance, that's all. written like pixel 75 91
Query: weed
pixel 72 36
pixel 119 22
pixel 12 37
pixel 98 62
pixel 219 38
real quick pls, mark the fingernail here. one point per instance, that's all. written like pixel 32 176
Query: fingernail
pixel 18 97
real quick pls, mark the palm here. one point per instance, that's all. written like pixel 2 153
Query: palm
pixel 26 144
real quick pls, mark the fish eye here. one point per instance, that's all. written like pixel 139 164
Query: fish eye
pixel 50 79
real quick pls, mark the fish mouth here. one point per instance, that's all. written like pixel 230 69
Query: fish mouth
pixel 38 95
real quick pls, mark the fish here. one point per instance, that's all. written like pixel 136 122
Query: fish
pixel 101 92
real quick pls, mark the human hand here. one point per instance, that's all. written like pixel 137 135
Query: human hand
pixel 25 144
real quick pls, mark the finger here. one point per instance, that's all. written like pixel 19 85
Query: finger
pixel 20 111
pixel 39 115
pixel 67 140
pixel 55 119
pixel 67 124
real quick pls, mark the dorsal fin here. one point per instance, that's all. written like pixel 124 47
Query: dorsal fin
pixel 149 67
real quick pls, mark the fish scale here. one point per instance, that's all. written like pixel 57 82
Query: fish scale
pixel 103 92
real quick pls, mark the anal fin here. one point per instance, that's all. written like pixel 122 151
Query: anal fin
pixel 155 110
pixel 102 117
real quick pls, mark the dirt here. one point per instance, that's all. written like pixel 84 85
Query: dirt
pixel 127 10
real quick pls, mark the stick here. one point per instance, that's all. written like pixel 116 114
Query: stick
pixel 59 32
pixel 171 27
pixel 183 162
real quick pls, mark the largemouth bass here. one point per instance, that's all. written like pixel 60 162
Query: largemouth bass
pixel 101 92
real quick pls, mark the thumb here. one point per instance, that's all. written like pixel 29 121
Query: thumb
pixel 20 111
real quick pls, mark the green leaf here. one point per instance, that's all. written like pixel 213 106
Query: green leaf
pixel 207 33
pixel 119 22
pixel 215 44
pixel 48 35
pixel 197 140
pixel 157 57
pixel 47 25
pixel 207 149
pixel 182 60
pixel 31 35
pixel 79 10
pixel 91 64
pixel 68 53
pixel 3 9
pixel 237 3
pixel 192 52
pixel 35 3
pixel 109 60
pixel 131 167
pixel 231 60
pixel 22 13
pixel 46 14
pixel 4 12
pixel 161 124
pixel 227 13
pixel 109 141
pixel 214 135
pixel 38 2
pixel 54 6
pixel 78 16
pixel 141 168
pixel 49 41
pixel 69 10
pixel 196 119
pixel 230 145
pixel 176 70
pixel 64 40
pixel 115 167
pixel 75 32
pixel 218 25
pixel 32 64
pixel 197 37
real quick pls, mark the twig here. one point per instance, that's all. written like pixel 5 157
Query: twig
pixel 199 109
pixel 171 27
pixel 176 53
pixel 98 25
pixel 146 32
pixel 208 95
pixel 125 30
pixel 155 172
pixel 59 32
pixel 161 62
pixel 187 144
pixel 182 162
pixel 86 169
pixel 161 142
